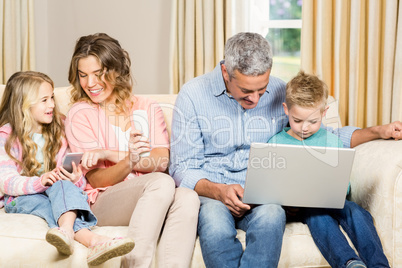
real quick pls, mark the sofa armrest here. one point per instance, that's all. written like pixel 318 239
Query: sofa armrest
pixel 376 182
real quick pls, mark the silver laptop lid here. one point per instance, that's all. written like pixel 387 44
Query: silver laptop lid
pixel 300 176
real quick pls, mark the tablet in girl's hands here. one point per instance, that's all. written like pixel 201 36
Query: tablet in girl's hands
pixel 69 158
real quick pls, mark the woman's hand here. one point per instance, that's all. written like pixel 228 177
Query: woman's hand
pixel 49 178
pixel 137 145
pixel 73 177
pixel 91 158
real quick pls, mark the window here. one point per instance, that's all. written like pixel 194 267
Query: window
pixel 280 22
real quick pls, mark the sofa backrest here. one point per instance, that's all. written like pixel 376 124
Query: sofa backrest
pixel 167 101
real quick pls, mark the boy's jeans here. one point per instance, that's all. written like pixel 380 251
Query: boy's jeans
pixel 264 226
pixel 357 223
pixel 61 197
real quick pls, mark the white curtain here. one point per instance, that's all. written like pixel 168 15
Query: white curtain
pixel 356 48
pixel 17 44
pixel 199 32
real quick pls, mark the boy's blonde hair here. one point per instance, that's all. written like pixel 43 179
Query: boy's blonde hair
pixel 306 90
pixel 20 94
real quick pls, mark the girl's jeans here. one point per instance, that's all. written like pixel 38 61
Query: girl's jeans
pixel 61 197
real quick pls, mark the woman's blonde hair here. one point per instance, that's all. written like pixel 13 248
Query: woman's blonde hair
pixel 306 90
pixel 20 94
pixel 115 65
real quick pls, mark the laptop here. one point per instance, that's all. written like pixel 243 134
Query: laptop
pixel 298 176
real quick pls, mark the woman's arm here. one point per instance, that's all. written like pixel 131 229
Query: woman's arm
pixel 91 158
pixel 103 177
pixel 157 161
pixel 87 133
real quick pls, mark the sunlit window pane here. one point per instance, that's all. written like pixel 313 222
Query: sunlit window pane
pixel 280 21
pixel 285 9
pixel 286 49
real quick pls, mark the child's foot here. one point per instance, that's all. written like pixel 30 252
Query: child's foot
pixel 355 264
pixel 59 238
pixel 104 251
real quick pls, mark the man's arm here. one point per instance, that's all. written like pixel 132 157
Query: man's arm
pixel 388 131
pixel 187 144
pixel 188 158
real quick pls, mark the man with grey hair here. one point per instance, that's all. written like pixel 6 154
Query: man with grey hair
pixel 217 116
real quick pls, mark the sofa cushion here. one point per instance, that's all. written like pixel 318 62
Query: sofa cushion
pixel 23 244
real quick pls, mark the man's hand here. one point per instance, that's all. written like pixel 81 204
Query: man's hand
pixel 231 196
pixel 391 131
pixel 388 131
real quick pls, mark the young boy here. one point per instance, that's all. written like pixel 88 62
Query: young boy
pixel 305 105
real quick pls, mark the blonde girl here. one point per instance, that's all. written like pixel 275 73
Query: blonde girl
pixel 32 145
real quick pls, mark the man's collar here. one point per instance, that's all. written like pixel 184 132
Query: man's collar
pixel 218 84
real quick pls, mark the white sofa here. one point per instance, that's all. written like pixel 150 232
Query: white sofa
pixel 376 185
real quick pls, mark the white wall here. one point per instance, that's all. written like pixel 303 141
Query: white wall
pixel 141 26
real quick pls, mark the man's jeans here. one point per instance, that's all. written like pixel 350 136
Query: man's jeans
pixel 357 223
pixel 61 197
pixel 264 226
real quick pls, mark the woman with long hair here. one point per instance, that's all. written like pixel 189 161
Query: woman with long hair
pixel 123 163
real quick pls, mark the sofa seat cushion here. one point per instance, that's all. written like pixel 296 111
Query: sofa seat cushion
pixel 23 242
pixel 298 248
